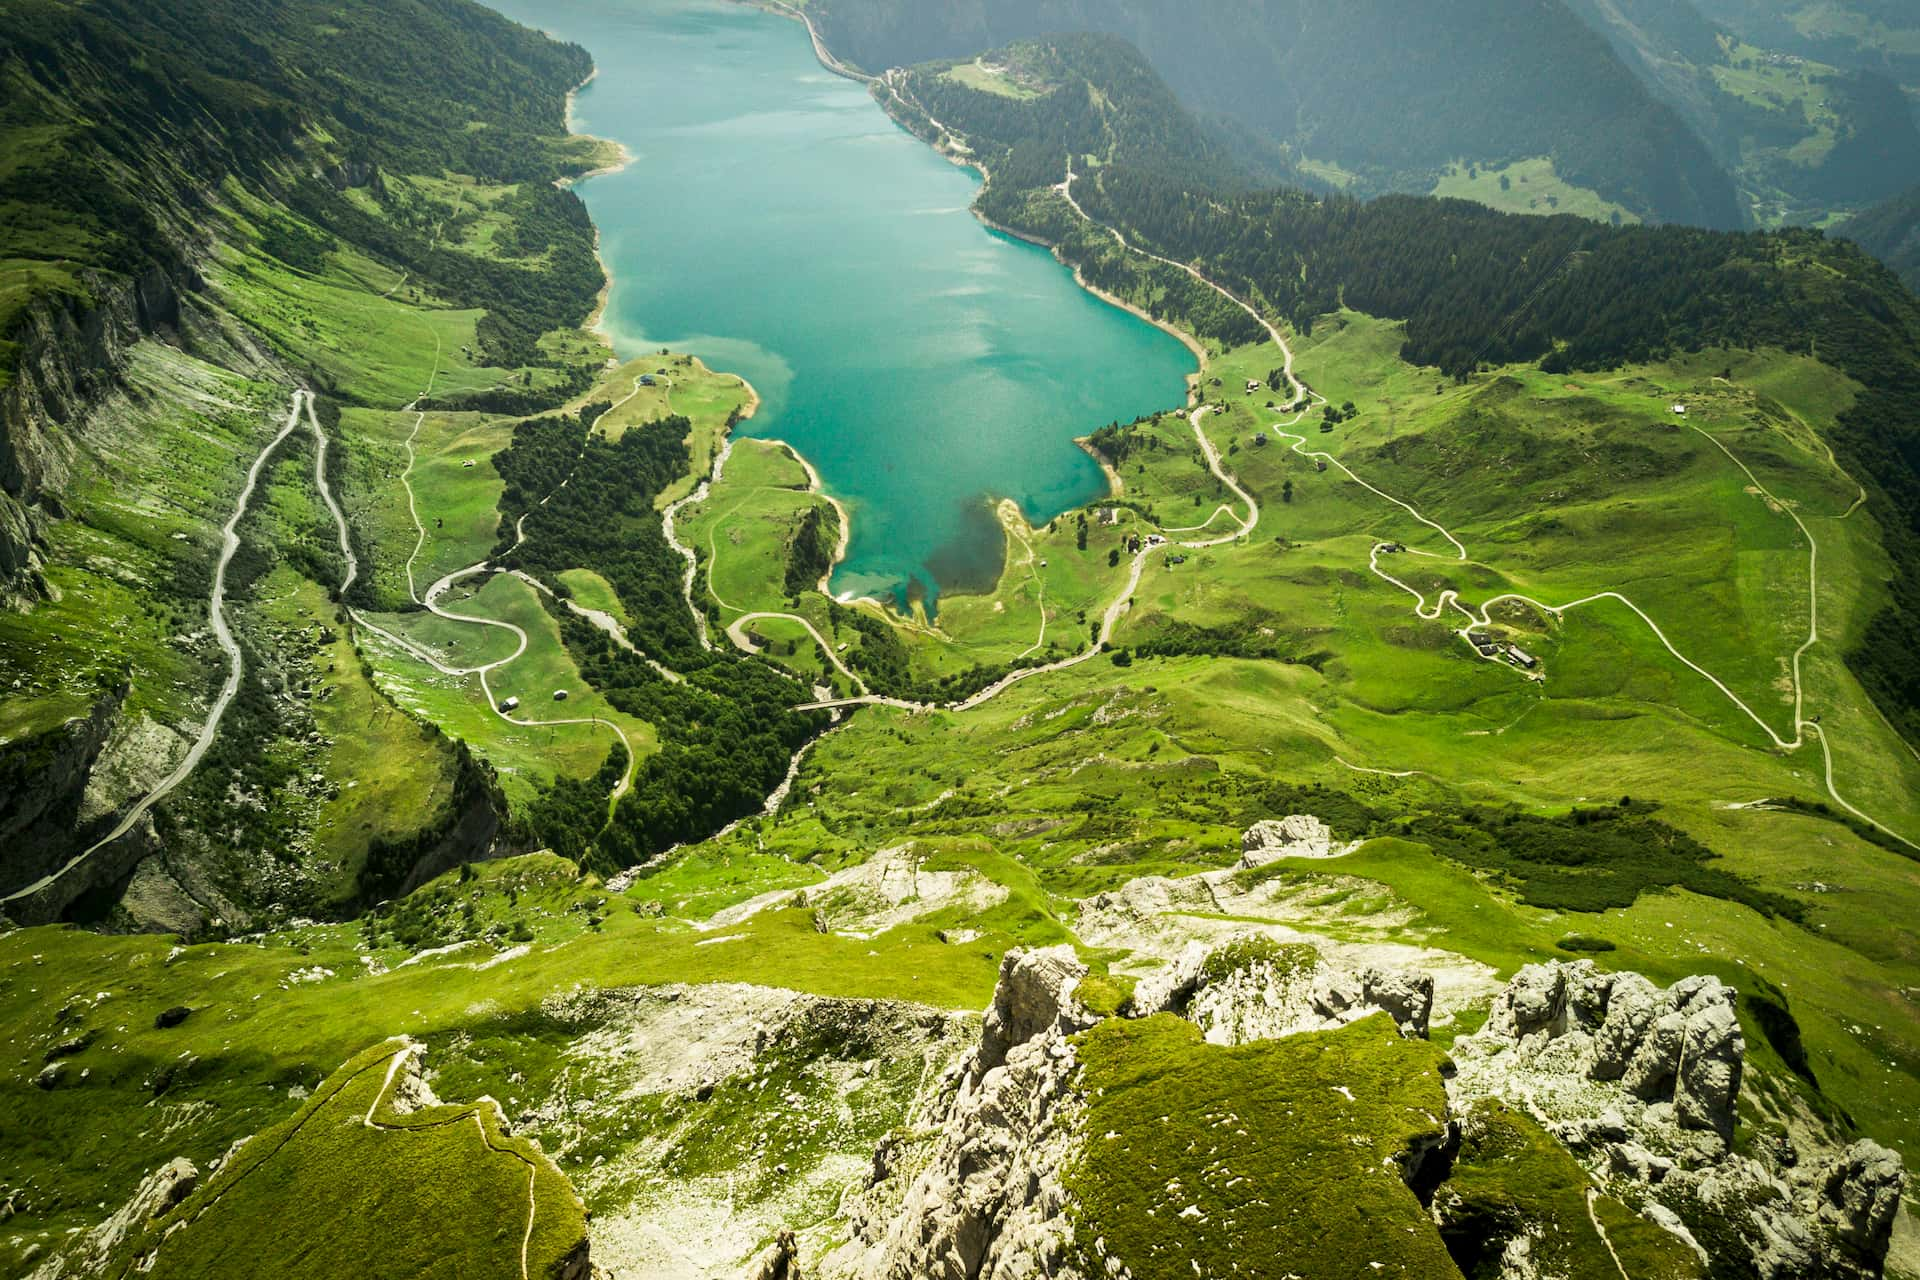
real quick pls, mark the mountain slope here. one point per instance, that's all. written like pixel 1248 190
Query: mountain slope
pixel 1891 233
pixel 1474 286
pixel 1865 35
pixel 207 206
pixel 1380 96
pixel 1802 138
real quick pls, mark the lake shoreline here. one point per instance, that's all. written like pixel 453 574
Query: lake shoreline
pixel 1192 343
pixel 1047 491
pixel 596 319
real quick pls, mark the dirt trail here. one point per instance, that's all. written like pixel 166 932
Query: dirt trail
pixel 223 635
pixel 431 601
pixel 737 632
pixel 1306 398
pixel 1803 727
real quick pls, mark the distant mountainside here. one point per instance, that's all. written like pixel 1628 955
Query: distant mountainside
pixel 1891 233
pixel 1372 97
pixel 1862 35
pixel 207 204
pixel 1803 137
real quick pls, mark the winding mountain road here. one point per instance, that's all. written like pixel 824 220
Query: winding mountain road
pixel 223 635
pixel 1802 726
pixel 431 600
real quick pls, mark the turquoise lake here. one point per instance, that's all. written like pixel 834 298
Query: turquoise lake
pixel 777 224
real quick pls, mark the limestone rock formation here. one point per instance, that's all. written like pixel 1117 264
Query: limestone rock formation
pixel 985 1201
pixel 1643 1084
pixel 1298 835
pixel 1682 1046
pixel 156 1195
pixel 778 1261
pixel 1855 1201
pixel 1254 989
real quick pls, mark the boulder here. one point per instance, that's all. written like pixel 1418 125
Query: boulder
pixel 171 1017
pixel 1298 835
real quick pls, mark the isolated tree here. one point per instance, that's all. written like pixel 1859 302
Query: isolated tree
pixel 1286 492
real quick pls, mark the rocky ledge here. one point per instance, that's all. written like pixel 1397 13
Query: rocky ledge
pixel 1643 1085
pixel 1639 1084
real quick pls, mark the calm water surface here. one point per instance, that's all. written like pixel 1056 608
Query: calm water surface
pixel 776 223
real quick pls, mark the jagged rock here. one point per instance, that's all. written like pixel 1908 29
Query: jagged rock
pixel 1298 835
pixel 156 1195
pixel 1250 988
pixel 1406 995
pixel 1683 1045
pixel 778 1261
pixel 1858 1198
pixel 1631 1006
pixel 1712 1060
pixel 986 1202
pixel 1034 995
pixel 1645 1083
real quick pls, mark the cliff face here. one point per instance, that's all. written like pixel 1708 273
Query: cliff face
pixel 42 783
pixel 72 351
pixel 1629 1092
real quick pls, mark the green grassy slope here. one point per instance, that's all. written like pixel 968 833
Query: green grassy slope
pixel 357 1185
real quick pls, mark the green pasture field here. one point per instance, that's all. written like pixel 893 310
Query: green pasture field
pixel 1528 186
pixel 525 757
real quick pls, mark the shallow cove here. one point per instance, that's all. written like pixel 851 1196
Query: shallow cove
pixel 778 224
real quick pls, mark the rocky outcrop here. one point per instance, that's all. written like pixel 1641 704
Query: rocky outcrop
pixel 1682 1046
pixel 72 350
pixel 1855 1200
pixel 778 1261
pixel 1298 835
pixel 1643 1085
pixel 984 1200
pixel 156 1196
pixel 1255 989
pixel 43 780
